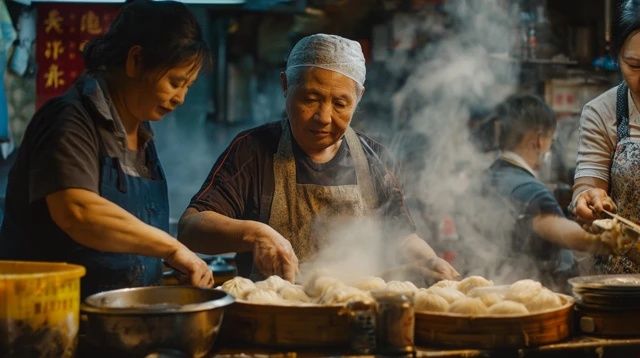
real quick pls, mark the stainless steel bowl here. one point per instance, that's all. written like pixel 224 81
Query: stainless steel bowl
pixel 145 320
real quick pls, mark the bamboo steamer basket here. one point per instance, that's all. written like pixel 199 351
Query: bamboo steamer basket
pixel 285 326
pixel 492 331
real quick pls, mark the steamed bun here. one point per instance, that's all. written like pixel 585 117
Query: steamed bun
pixel 544 300
pixel 238 287
pixel 370 283
pixel 448 293
pixel 273 283
pixel 508 307
pixel 318 285
pixel 487 297
pixel 401 286
pixel 263 296
pixel 426 301
pixel 342 294
pixel 472 282
pixel 523 290
pixel 294 293
pixel 468 306
pixel 446 284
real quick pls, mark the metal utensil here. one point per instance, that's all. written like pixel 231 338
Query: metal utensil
pixel 143 320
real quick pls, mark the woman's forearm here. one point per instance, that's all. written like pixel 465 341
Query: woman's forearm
pixel 585 183
pixel 98 223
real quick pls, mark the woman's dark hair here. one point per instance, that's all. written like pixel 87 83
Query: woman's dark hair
pixel 507 125
pixel 627 23
pixel 166 30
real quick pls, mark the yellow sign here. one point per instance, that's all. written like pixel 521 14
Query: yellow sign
pixel 90 22
pixel 54 49
pixel 53 22
pixel 53 77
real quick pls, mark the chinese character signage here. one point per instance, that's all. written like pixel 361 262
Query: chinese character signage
pixel 62 32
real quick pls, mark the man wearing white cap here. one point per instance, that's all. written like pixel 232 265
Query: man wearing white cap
pixel 269 190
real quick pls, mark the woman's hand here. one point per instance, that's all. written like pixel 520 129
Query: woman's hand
pixel 188 263
pixel 272 253
pixel 591 202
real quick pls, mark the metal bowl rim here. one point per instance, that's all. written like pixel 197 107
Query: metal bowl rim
pixel 221 302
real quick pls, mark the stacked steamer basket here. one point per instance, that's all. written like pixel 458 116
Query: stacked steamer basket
pixel 608 305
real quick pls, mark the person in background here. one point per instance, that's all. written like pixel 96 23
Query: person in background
pixel 541 235
pixel 267 192
pixel 87 186
pixel 608 163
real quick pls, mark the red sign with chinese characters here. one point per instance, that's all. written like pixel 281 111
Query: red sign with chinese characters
pixel 62 32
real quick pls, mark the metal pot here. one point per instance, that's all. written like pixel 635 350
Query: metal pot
pixel 146 320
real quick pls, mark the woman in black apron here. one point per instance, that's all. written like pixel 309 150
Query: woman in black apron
pixel 617 185
pixel 87 186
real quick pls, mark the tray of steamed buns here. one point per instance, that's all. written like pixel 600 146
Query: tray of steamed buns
pixel 476 313
pixel 472 312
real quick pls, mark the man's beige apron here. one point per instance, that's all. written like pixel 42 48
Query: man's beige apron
pixel 305 213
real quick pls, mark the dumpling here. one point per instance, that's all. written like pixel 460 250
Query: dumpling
pixel 317 285
pixel 238 287
pixel 544 300
pixel 468 306
pixel 401 286
pixel 273 283
pixel 294 293
pixel 342 294
pixel 472 282
pixel 370 283
pixel 263 296
pixel 523 290
pixel 426 301
pixel 508 307
pixel 448 293
pixel 445 284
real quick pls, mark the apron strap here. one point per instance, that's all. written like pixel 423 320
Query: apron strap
pixel 363 174
pixel 360 163
pixel 103 156
pixel 622 112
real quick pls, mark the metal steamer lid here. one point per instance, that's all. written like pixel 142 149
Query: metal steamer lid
pixel 607 292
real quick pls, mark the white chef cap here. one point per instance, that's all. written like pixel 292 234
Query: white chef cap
pixel 330 52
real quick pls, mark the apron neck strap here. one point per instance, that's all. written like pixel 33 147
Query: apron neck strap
pixel 360 162
pixel 622 111
pixel 363 174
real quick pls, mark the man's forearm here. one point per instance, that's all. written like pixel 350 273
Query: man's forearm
pixel 213 233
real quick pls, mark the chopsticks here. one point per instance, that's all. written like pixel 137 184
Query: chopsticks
pixel 635 227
